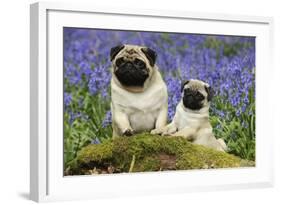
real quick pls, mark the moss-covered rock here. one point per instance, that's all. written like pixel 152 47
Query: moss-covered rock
pixel 145 152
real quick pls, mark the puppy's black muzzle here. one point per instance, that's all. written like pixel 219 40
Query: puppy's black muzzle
pixel 131 75
pixel 192 100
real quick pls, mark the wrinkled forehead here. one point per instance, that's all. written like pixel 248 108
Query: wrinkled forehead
pixel 131 52
pixel 197 85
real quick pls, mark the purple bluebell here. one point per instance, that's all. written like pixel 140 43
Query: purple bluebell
pixel 95 141
pixel 67 97
pixel 107 119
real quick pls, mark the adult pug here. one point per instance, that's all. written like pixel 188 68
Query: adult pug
pixel 191 119
pixel 138 92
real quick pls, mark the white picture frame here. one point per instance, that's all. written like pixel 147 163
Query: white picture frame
pixel 47 182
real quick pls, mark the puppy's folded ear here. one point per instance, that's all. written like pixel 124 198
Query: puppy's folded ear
pixel 210 92
pixel 183 84
pixel 115 50
pixel 150 54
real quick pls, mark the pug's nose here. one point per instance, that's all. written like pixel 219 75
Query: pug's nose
pixel 129 65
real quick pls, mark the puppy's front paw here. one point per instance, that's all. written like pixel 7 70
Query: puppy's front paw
pixel 156 131
pixel 169 131
pixel 173 135
pixel 128 132
pixel 166 134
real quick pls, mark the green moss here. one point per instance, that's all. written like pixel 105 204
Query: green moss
pixel 150 153
pixel 147 164
pixel 96 153
pixel 198 157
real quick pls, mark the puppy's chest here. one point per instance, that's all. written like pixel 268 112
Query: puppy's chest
pixel 185 121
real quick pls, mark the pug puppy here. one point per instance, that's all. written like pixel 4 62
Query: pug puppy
pixel 191 119
pixel 138 92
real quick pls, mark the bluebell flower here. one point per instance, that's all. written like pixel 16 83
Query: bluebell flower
pixel 107 119
pixel 95 141
pixel 67 97
pixel 99 81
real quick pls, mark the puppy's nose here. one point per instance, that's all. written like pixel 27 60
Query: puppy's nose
pixel 188 99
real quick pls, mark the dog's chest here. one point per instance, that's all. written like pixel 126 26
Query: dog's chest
pixel 186 119
pixel 143 121
pixel 148 101
pixel 142 109
pixel 143 114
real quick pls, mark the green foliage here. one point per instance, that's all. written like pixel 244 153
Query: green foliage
pixel 240 138
pixel 228 50
pixel 86 126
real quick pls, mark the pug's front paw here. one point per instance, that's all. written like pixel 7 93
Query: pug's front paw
pixel 156 131
pixel 169 131
pixel 128 132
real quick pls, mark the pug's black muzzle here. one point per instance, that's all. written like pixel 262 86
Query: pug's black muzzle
pixel 130 75
pixel 191 102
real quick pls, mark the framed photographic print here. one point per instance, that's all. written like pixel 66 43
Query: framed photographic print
pixel 127 102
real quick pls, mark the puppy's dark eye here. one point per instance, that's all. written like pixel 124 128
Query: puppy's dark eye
pixel 139 63
pixel 119 61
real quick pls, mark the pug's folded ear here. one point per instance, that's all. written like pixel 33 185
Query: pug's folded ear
pixel 210 92
pixel 115 50
pixel 150 54
pixel 183 84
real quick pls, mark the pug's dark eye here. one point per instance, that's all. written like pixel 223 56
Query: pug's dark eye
pixel 119 61
pixel 139 63
pixel 187 91
pixel 199 96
